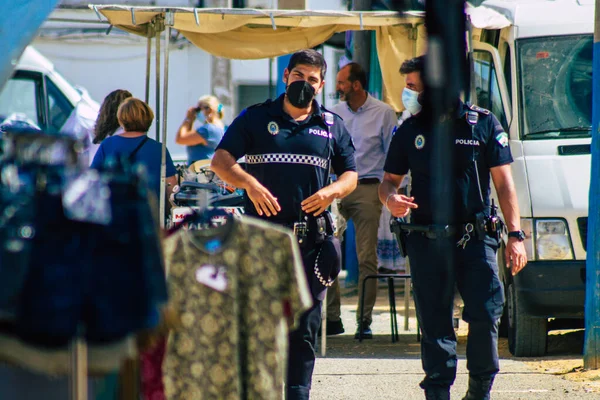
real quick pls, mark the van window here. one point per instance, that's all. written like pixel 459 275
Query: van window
pixel 487 89
pixel 490 36
pixel 508 70
pixel 555 75
pixel 20 99
pixel 59 108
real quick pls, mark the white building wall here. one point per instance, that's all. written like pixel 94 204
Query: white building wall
pixel 102 65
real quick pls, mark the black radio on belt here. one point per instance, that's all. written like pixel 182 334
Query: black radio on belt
pixel 319 228
pixel 491 224
pixel 301 231
pixel 494 225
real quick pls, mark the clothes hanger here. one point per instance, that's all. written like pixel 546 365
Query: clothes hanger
pixel 204 215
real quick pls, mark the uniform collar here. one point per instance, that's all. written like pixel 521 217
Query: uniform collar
pixel 460 111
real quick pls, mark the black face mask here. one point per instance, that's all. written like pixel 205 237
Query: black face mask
pixel 300 93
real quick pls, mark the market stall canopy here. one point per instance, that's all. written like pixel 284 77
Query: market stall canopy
pixel 256 34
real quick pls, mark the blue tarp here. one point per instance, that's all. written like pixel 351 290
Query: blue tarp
pixel 19 23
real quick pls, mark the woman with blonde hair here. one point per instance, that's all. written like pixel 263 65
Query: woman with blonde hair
pixel 202 141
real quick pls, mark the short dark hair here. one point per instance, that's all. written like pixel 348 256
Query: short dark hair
pixel 416 64
pixel 308 57
pixel 357 73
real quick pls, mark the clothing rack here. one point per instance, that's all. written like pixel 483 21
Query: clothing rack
pixel 25 147
pixel 324 326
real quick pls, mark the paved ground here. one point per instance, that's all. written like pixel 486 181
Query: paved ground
pixel 379 369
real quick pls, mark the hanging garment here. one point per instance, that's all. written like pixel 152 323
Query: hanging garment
pixel 79 249
pixel 388 253
pixel 236 305
pixel 107 279
pixel 151 371
pixel 80 255
pixel 23 153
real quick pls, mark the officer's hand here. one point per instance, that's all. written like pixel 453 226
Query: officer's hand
pixel 515 255
pixel 400 205
pixel 318 202
pixel 263 200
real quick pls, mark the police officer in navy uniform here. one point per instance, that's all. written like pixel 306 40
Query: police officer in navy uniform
pixel 290 144
pixel 468 240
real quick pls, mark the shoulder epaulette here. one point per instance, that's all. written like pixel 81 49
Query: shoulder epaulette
pixel 265 103
pixel 324 110
pixel 478 109
pixel 245 110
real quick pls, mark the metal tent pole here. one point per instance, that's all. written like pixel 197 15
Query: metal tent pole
pixel 324 325
pixel 591 351
pixel 159 26
pixel 407 297
pixel 169 21
pixel 148 56
pixel 79 388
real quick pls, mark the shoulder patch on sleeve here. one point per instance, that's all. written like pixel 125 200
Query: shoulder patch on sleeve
pixel 502 139
pixel 479 109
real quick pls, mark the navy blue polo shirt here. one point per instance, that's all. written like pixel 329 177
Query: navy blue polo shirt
pixel 411 149
pixel 289 158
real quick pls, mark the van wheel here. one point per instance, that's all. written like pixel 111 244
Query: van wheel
pixel 503 328
pixel 527 336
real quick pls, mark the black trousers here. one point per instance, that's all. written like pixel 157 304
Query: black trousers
pixel 303 340
pixel 436 266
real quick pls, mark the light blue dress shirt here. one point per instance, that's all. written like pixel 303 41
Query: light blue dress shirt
pixel 371 128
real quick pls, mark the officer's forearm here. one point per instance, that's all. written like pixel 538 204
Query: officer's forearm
pixel 507 196
pixel 226 167
pixel 386 188
pixel 345 184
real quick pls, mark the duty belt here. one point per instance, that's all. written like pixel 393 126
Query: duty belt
pixel 315 228
pixel 435 231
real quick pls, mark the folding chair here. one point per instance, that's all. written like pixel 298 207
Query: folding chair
pixel 392 300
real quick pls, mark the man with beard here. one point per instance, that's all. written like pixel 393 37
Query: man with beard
pixel 371 124
pixel 290 144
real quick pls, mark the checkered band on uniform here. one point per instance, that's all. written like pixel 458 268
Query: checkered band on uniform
pixel 278 158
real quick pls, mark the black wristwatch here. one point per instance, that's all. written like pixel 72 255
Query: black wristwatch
pixel 520 235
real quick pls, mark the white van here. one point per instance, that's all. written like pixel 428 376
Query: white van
pixel 536 76
pixel 40 97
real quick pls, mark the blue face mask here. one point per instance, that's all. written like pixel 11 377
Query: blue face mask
pixel 200 117
pixel 410 99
